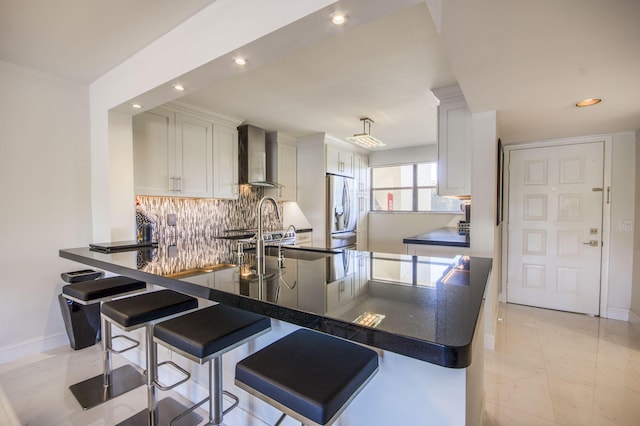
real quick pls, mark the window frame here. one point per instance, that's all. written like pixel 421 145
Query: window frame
pixel 414 190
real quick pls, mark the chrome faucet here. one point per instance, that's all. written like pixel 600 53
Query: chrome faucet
pixel 260 267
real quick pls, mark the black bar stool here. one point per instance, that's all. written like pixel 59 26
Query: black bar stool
pixel 204 336
pixel 307 375
pixel 145 310
pixel 111 383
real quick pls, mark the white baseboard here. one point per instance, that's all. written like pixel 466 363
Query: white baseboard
pixel 634 320
pixel 618 314
pixel 32 347
pixel 490 341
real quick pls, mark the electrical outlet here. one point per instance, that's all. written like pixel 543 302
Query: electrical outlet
pixel 625 225
pixel 172 220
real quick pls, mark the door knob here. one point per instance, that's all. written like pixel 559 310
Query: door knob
pixel 592 243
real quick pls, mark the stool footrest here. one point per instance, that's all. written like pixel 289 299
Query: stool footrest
pixel 235 403
pixel 184 372
pixel 134 344
pixel 235 399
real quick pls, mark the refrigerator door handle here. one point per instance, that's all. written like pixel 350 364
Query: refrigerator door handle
pixel 346 197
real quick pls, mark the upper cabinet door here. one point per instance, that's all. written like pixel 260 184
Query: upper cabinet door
pixel 339 161
pixel 225 181
pixel 454 143
pixel 182 153
pixel 154 153
pixel 287 170
pixel 194 156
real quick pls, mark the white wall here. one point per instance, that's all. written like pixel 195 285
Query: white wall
pixel 386 230
pixel 635 294
pixel 392 157
pixel 484 232
pixel 44 167
pixel 622 208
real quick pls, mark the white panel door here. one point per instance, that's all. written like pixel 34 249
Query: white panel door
pixel 555 227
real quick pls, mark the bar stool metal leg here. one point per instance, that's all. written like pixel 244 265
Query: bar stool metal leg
pixel 106 355
pixel 152 375
pixel 110 383
pixel 215 400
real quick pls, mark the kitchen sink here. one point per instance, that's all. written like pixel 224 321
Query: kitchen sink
pixel 199 271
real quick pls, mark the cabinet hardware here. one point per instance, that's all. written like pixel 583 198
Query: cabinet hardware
pixel 608 195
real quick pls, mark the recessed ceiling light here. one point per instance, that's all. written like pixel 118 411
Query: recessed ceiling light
pixel 136 106
pixel 338 18
pixel 179 87
pixel 588 102
pixel 240 61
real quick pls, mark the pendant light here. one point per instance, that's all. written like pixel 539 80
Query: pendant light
pixel 365 139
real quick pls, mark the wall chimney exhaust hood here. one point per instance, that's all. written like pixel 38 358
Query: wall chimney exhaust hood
pixel 256 162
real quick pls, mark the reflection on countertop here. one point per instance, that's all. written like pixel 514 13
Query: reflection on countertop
pixel 407 304
pixel 447 236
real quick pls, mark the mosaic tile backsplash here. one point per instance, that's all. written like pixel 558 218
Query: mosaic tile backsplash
pixel 203 217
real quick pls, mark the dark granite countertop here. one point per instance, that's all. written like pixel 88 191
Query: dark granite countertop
pixel 447 236
pixel 421 307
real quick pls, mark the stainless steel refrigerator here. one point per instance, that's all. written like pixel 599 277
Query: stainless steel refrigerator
pixel 342 212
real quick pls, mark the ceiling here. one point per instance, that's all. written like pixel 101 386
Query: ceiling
pixel 530 61
pixel 382 69
pixel 83 39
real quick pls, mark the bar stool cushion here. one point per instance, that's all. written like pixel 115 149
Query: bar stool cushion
pixel 99 289
pixel 210 330
pixel 311 373
pixel 147 307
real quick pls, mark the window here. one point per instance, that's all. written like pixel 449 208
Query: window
pixel 409 188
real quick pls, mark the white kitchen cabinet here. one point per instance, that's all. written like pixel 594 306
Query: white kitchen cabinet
pixel 304 239
pixel 184 153
pixel 362 229
pixel 363 274
pixel 454 142
pixel 363 186
pixel 225 159
pixel 339 293
pixel 227 280
pixel 154 152
pixel 286 165
pixel 362 173
pixel 339 161
pixel 193 176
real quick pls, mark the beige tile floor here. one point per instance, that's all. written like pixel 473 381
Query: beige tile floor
pixel 557 368
pixel 549 368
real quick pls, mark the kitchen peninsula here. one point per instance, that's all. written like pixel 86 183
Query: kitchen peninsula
pixel 420 313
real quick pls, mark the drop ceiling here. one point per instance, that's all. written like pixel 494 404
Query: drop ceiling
pixel 529 61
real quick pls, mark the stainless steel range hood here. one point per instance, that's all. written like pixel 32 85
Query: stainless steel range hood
pixel 256 163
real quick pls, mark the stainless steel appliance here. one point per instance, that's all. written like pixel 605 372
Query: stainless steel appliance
pixel 342 212
pixel 258 157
